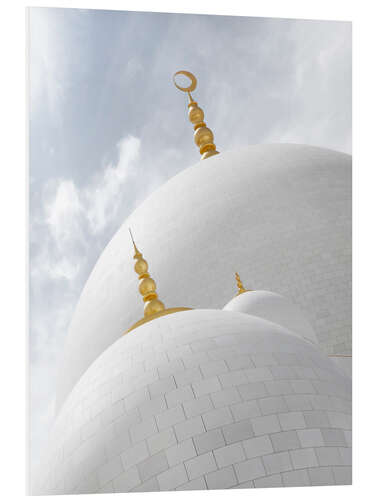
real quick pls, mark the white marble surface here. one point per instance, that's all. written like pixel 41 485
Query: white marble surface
pixel 202 399
pixel 280 215
pixel 273 307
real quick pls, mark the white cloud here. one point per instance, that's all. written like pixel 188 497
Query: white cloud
pixel 102 197
pixel 63 211
pixel 132 69
pixel 47 60
pixel 55 56
pixel 72 223
pixel 74 219
pixel 74 215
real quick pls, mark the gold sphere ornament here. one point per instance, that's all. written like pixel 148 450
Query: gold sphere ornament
pixel 141 266
pixel 196 115
pixel 203 136
pixel 147 286
pixel 153 306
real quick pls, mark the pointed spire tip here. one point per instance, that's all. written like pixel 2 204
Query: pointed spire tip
pixel 137 252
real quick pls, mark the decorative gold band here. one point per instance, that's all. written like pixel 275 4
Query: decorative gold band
pixel 142 321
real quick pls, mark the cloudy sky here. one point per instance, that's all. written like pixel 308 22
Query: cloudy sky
pixel 107 127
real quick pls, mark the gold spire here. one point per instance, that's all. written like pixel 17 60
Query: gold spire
pixel 240 286
pixel 147 286
pixel 203 136
pixel 153 307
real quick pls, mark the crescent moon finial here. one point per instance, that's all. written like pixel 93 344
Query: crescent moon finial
pixel 203 136
pixel 193 84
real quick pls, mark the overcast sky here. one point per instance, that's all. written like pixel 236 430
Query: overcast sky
pixel 107 127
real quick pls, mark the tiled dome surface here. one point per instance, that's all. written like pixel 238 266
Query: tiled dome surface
pixel 202 399
pixel 279 214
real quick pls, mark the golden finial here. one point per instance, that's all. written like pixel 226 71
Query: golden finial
pixel 203 136
pixel 137 252
pixel 240 286
pixel 147 286
pixel 153 307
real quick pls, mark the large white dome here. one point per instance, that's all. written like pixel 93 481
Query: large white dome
pixel 202 399
pixel 278 214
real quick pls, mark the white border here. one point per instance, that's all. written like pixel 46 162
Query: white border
pixel 13 220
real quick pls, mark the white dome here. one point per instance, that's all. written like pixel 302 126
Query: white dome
pixel 202 399
pixel 275 308
pixel 279 214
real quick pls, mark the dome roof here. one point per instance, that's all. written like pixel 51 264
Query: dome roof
pixel 202 399
pixel 281 213
pixel 275 308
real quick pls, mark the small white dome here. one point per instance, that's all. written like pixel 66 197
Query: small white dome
pixel 275 308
